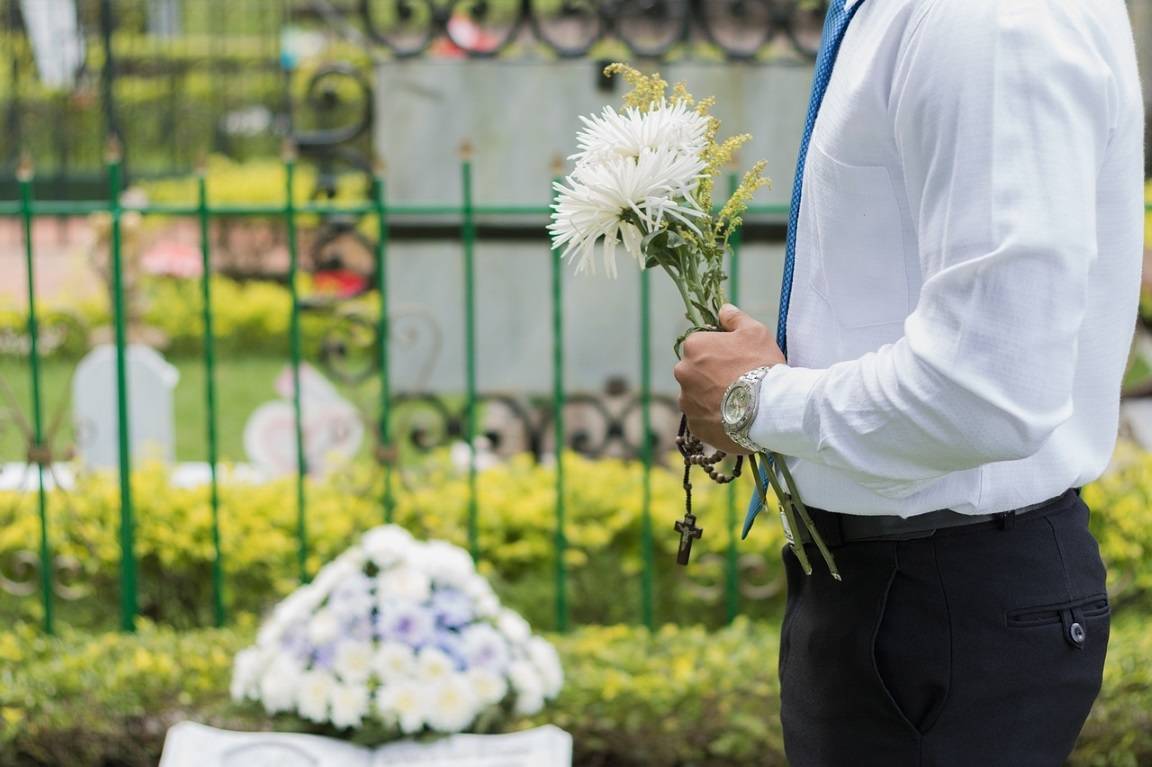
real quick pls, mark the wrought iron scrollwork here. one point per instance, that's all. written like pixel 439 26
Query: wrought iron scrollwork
pixel 741 29
pixel 599 425
pixel 339 113
pixel 20 575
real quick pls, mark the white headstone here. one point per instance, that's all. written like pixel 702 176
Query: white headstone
pixel 194 745
pixel 151 381
pixel 332 427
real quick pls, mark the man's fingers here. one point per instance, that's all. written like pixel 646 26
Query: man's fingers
pixel 732 318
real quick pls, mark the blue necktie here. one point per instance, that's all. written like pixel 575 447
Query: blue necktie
pixel 835 25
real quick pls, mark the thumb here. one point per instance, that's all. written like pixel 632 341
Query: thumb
pixel 732 318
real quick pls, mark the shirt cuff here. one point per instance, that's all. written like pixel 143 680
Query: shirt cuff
pixel 779 424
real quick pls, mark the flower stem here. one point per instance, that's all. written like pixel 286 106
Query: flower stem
pixel 788 510
pixel 690 308
pixel 803 511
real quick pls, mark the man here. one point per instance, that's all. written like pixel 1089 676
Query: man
pixel 967 238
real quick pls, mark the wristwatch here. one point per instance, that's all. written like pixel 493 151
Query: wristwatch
pixel 739 406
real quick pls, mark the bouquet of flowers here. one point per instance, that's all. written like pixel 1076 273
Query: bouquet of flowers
pixel 397 637
pixel 644 180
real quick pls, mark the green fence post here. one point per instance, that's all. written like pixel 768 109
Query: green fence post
pixel 646 440
pixel 558 423
pixel 732 562
pixel 128 585
pixel 37 452
pixel 388 453
pixel 469 242
pixel 210 394
pixel 294 341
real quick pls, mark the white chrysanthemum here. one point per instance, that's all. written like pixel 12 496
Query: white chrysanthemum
pixel 433 665
pixel 454 704
pixel 613 134
pixel 296 608
pixel 404 583
pixel 352 598
pixel 246 670
pixel 446 564
pixel 529 687
pixel 353 557
pixel 513 626
pixel 333 573
pixel 278 684
pixel 547 662
pixel 312 694
pixel 323 628
pixel 656 186
pixel 488 686
pixel 349 704
pixel 394 661
pixel 387 545
pixel 405 703
pixel 485 604
pixel 485 647
pixel 354 661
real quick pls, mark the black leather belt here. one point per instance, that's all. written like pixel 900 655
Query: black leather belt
pixel 837 528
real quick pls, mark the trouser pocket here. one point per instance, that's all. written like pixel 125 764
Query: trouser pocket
pixel 1073 617
pixel 911 645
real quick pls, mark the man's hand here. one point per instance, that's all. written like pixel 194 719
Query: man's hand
pixel 711 362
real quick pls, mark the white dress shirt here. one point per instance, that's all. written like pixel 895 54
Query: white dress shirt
pixel 968 259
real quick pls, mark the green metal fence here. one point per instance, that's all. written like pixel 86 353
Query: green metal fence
pixel 27 209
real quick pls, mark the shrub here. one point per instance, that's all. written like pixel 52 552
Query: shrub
pixel 516 527
pixel 516 533
pixel 249 318
pixel 1121 520
pixel 677 696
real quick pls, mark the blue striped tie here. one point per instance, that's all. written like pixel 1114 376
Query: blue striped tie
pixel 835 25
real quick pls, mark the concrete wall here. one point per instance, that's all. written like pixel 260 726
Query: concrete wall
pixel 514 320
pixel 519 115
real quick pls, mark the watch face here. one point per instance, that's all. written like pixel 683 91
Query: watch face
pixel 737 404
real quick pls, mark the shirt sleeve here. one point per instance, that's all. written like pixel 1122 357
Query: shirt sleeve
pixel 1001 113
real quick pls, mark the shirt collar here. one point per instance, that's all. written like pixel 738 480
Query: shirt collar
pixel 848 4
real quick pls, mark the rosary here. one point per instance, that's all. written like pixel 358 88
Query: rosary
pixel 693 451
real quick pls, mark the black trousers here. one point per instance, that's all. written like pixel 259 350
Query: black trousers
pixel 977 646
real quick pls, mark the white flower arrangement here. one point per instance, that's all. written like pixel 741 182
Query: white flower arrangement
pixel 399 637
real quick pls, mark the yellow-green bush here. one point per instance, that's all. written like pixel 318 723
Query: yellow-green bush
pixel 1121 504
pixel 675 697
pixel 253 182
pixel 516 534
pixel 605 524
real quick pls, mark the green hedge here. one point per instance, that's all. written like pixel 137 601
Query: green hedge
pixel 679 696
pixel 516 534
pixel 249 319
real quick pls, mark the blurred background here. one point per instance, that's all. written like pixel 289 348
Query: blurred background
pixel 295 251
